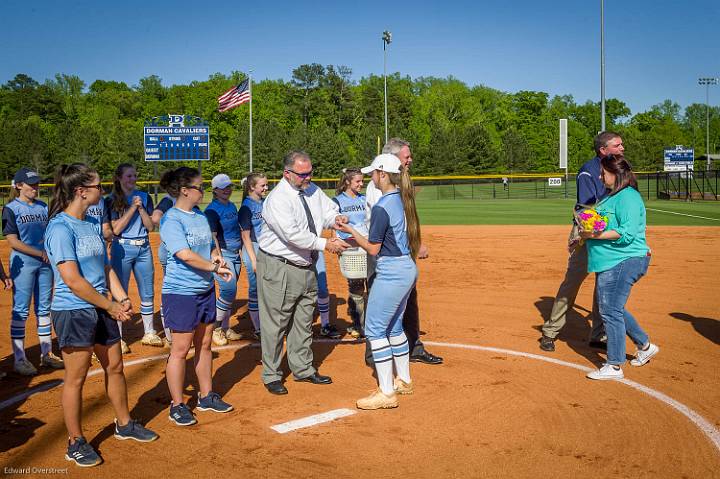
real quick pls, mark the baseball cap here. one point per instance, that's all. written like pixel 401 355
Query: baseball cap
pixel 386 162
pixel 27 176
pixel 221 181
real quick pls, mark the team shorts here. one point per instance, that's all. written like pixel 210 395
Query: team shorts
pixel 184 312
pixel 82 328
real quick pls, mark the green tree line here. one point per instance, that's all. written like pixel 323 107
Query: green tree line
pixel 454 128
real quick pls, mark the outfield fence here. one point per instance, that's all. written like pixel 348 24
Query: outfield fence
pixel 689 186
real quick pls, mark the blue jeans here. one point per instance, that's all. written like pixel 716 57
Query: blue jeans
pixel 252 279
pixel 395 277
pixel 613 289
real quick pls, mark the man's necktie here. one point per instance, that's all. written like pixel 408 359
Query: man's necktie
pixel 311 223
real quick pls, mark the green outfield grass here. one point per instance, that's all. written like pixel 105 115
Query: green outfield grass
pixel 555 212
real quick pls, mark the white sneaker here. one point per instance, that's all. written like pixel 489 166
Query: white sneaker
pixel 218 337
pixel 607 372
pixel 643 356
pixel 152 339
pixel 232 335
pixel 25 368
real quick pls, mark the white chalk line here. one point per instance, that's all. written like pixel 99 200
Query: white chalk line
pixel 313 420
pixel 712 433
pixel 683 214
pixel 707 428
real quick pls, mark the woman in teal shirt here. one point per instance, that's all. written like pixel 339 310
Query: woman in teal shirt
pixel 619 256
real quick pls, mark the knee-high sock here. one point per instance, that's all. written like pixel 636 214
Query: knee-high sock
pixel 255 318
pixel 45 334
pixel 17 334
pixel 383 358
pixel 323 305
pixel 401 356
pixel 168 333
pixel 147 313
pixel 254 313
pixel 222 313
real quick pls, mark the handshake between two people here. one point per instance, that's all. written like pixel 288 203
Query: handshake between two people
pixel 335 244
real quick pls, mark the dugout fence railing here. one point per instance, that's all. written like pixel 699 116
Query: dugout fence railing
pixel 686 185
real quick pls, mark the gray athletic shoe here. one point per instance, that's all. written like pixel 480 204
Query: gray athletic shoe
pixel 181 415
pixel 212 402
pixel 82 453
pixel 134 430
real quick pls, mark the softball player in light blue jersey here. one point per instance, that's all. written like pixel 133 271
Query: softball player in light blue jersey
pixel 84 317
pixel 102 216
pixel 395 276
pixel 222 215
pixel 162 207
pixel 130 211
pixel 352 204
pixel 24 220
pixel 189 294
pixel 255 187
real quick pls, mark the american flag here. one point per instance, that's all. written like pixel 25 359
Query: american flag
pixel 235 96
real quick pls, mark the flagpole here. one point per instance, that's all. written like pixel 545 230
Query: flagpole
pixel 251 127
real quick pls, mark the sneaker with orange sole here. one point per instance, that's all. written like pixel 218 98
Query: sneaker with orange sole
pixel 377 400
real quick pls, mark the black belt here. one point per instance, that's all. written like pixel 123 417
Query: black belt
pixel 286 261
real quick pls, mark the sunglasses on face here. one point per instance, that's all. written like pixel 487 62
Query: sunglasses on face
pixel 301 175
pixel 200 188
pixel 98 187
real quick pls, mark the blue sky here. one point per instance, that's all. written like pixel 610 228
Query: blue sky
pixel 656 50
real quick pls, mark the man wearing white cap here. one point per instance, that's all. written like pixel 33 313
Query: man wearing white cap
pixel 294 214
pixel 411 318
pixel 222 214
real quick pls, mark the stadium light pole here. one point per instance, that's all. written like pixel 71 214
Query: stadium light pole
pixel 387 39
pixel 707 82
pixel 602 65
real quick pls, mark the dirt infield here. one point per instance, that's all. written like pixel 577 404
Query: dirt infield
pixel 481 414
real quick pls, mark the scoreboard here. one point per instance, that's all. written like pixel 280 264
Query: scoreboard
pixel 177 142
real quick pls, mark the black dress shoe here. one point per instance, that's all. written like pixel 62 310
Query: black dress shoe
pixel 426 358
pixel 315 378
pixel 598 345
pixel 276 387
pixel 547 344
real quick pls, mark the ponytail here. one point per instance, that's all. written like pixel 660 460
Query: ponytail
pixel 166 179
pixel 67 179
pixel 173 180
pixel 412 222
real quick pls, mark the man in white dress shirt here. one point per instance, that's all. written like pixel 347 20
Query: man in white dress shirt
pixel 294 214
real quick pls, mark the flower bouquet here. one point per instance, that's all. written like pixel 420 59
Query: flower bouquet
pixel 590 220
